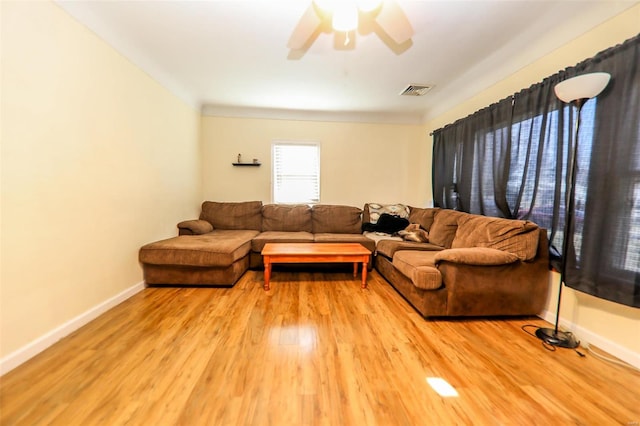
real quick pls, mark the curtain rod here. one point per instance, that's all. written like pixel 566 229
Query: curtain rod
pixel 565 70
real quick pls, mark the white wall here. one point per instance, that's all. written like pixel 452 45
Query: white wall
pixel 97 159
pixel 359 162
pixel 611 326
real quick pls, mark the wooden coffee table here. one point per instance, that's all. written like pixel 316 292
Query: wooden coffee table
pixel 315 253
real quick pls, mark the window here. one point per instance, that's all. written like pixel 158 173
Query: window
pixel 296 172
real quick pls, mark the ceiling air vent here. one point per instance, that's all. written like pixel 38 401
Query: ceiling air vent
pixel 416 90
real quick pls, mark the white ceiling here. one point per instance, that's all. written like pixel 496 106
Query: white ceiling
pixel 230 57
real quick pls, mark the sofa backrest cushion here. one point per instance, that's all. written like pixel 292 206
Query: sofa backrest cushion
pixel 286 218
pixel 328 218
pixel 519 237
pixel 444 227
pixel 423 217
pixel 226 215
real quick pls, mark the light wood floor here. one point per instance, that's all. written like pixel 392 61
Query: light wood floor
pixel 315 349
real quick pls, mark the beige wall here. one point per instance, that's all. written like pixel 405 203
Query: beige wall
pixel 359 162
pixel 617 325
pixel 97 159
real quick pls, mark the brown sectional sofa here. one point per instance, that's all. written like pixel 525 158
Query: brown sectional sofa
pixel 228 237
pixel 471 266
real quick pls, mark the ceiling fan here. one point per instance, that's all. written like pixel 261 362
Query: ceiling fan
pixel 344 17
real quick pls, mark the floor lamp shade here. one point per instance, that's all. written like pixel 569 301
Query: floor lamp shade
pixel 585 86
pixel 576 91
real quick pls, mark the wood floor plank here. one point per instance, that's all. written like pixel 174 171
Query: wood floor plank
pixel 314 350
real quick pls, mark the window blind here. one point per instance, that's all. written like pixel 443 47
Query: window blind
pixel 296 172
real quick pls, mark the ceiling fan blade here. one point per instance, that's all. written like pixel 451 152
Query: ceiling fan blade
pixel 307 26
pixel 396 48
pixel 394 22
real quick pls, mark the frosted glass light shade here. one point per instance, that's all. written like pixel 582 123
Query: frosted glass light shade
pixel 585 86
pixel 345 16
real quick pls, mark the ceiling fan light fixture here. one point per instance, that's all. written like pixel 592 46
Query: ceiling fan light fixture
pixel 345 16
pixel 341 17
pixel 367 6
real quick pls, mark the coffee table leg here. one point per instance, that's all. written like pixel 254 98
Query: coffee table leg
pixel 267 273
pixel 355 269
pixel 364 274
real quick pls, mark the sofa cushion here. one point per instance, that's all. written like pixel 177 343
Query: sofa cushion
pixel 257 244
pixel 424 217
pixel 476 256
pixel 375 210
pixel 324 237
pixel 419 267
pixel 194 227
pixel 336 219
pixel 389 247
pixel 444 227
pixel 289 218
pixel 243 215
pixel 217 248
pixel 519 237
pixel 379 236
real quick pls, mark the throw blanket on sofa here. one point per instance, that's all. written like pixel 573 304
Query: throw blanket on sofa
pixel 387 223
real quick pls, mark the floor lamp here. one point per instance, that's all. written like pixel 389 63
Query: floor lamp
pixel 575 91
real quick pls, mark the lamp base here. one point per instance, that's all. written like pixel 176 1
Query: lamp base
pixel 557 338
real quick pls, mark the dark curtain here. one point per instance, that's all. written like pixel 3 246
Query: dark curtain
pixel 511 158
pixel 466 153
pixel 541 145
pixel 605 253
pixel 444 177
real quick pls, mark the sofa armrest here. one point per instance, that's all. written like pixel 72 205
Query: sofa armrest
pixel 476 256
pixel 194 227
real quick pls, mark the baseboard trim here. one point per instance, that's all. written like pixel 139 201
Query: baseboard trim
pixel 588 337
pixel 32 349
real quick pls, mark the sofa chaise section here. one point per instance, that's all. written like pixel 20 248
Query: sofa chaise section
pixel 219 257
pixel 212 250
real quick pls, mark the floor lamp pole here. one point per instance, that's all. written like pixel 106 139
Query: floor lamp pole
pixel 553 336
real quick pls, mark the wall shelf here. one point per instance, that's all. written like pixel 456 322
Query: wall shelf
pixel 247 164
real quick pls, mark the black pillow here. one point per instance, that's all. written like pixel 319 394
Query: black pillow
pixel 387 223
